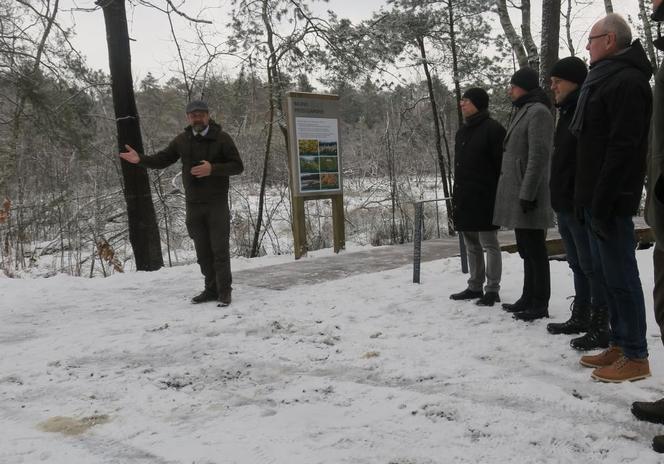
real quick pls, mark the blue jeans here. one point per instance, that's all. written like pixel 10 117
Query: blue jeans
pixel 588 286
pixel 615 258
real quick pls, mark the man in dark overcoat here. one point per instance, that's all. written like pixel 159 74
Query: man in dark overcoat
pixel 653 411
pixel 477 160
pixel 612 122
pixel 209 157
pixel 589 311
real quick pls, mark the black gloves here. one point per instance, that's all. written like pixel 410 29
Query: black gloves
pixel 528 205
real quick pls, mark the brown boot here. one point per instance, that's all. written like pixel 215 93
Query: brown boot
pixel 623 370
pixel 603 359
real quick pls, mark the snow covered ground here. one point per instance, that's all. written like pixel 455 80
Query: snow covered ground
pixel 370 369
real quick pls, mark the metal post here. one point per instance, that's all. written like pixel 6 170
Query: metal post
pixel 417 239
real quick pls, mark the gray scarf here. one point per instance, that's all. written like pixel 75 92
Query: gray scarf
pixel 598 73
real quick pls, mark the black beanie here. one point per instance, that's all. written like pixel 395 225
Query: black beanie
pixel 571 69
pixel 478 96
pixel 526 78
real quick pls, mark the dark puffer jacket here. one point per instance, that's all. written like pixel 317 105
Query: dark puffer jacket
pixel 563 161
pixel 216 146
pixel 478 156
pixel 612 146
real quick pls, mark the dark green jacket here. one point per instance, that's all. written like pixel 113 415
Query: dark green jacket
pixel 216 146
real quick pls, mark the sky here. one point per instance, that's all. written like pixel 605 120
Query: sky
pixel 153 49
pixel 152 45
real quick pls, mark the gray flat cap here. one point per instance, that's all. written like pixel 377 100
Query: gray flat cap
pixel 197 105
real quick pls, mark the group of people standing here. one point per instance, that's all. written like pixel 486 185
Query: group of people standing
pixel 587 169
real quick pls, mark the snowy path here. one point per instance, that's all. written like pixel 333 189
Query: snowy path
pixel 368 369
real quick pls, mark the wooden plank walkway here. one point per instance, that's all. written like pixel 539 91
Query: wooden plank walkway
pixel 308 271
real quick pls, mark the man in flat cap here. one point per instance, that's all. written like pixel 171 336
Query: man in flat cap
pixel 209 157
pixel 477 159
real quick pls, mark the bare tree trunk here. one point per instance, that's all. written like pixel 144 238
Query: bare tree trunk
pixel 608 6
pixel 143 229
pixel 11 168
pixel 531 47
pixel 568 29
pixel 255 244
pixel 647 29
pixel 510 33
pixel 272 77
pixel 550 42
pixel 436 123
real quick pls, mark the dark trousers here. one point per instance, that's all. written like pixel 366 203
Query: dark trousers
pixel 588 285
pixel 615 258
pixel 536 273
pixel 658 291
pixel 209 227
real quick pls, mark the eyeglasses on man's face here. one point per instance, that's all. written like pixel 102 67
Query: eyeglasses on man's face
pixel 592 37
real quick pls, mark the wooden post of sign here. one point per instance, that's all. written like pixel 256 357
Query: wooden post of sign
pixel 338 223
pixel 299 227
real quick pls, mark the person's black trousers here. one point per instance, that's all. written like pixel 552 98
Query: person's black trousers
pixel 209 227
pixel 536 273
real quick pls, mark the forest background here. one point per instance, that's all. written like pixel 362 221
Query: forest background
pixel 399 73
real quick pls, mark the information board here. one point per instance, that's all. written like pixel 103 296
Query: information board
pixel 315 152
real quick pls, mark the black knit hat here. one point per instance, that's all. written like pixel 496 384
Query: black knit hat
pixel 478 96
pixel 571 69
pixel 526 78
pixel 197 105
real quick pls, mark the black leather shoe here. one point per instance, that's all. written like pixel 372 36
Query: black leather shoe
pixel 515 307
pixel 649 411
pixel 467 294
pixel 205 295
pixel 488 299
pixel 519 305
pixel 532 313
pixel 658 443
pixel 224 299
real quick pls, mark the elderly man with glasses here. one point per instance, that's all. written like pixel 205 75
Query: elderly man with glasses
pixel 612 122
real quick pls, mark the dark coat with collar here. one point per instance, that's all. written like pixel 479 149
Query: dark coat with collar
pixel 563 161
pixel 612 146
pixel 477 159
pixel 216 146
pixel 655 199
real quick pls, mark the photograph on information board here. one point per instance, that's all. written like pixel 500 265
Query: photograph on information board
pixel 318 154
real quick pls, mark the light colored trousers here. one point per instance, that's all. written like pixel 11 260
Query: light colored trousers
pixel 476 244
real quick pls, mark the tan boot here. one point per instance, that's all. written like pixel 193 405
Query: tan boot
pixel 603 359
pixel 623 370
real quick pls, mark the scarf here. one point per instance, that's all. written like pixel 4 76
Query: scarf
pixel 599 72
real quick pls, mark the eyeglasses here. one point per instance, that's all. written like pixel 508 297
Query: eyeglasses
pixel 591 37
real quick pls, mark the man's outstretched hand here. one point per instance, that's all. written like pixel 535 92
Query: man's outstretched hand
pixel 130 155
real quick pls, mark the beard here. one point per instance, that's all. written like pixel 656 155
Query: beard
pixel 199 127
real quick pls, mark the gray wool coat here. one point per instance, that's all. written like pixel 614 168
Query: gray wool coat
pixel 527 151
